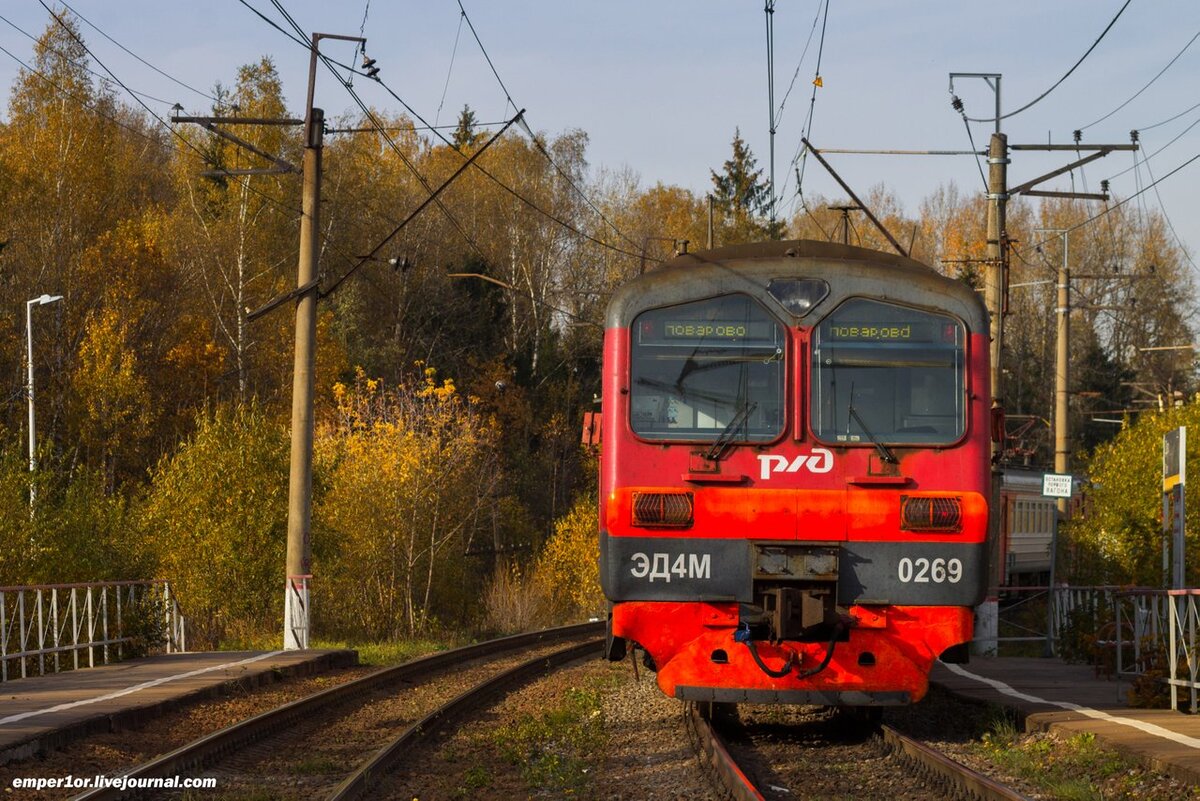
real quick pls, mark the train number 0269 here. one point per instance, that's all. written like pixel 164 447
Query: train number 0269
pixel 929 571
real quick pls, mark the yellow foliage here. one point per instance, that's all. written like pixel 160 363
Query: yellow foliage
pixel 413 472
pixel 568 568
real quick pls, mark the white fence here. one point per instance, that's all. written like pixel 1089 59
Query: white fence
pixel 1137 624
pixel 52 627
pixel 1185 619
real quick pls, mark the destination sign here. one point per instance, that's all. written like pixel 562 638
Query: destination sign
pixel 716 329
pixel 709 331
pixel 892 332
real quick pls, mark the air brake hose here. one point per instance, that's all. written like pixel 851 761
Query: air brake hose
pixel 837 632
pixel 742 635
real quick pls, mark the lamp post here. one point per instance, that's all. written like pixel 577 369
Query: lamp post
pixel 39 301
pixel 29 341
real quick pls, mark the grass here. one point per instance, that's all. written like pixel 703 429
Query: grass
pixel 379 654
pixel 1075 768
pixel 556 750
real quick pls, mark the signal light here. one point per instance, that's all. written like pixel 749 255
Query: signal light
pixel 663 509
pixel 930 514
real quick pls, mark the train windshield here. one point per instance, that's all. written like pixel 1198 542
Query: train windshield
pixel 708 370
pixel 888 374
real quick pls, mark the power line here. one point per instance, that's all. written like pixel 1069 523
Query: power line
pixel 1119 204
pixel 1156 152
pixel 1043 95
pixel 1163 207
pixel 450 69
pixel 485 55
pixel 159 120
pixel 84 67
pixel 799 64
pixel 800 160
pixel 1170 119
pixel 1147 86
pixel 139 58
pixel 538 144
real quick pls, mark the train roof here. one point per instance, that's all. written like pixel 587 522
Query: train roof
pixel 849 271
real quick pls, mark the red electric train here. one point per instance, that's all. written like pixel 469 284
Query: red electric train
pixel 794 473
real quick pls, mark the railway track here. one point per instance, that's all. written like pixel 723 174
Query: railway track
pixel 943 775
pixel 247 743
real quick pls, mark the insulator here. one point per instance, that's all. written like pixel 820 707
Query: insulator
pixel 1104 186
pixel 1133 136
pixel 1078 135
pixel 956 103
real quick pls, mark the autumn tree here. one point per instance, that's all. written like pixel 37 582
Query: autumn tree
pixel 1119 539
pixel 73 163
pixel 214 522
pixel 411 483
pixel 237 233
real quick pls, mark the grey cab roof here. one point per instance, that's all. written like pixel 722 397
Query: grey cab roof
pixel 849 271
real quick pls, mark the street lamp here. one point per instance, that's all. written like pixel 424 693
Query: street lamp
pixel 41 301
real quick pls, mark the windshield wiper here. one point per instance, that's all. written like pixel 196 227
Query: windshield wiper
pixel 884 452
pixel 723 440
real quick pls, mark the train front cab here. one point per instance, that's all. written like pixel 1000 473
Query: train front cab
pixel 794 479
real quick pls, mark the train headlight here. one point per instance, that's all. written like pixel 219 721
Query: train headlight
pixel 918 513
pixel 663 509
pixel 798 295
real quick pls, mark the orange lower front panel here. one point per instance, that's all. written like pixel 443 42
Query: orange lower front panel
pixel 886 659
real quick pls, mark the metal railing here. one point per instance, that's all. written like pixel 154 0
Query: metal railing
pixel 65 626
pixel 1185 619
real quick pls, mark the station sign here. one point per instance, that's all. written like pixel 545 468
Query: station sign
pixel 1174 458
pixel 1057 485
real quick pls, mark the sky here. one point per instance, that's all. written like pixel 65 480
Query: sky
pixel 660 87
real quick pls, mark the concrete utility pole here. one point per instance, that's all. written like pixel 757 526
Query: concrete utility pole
pixel 299 544
pixel 296 609
pixel 997 251
pixel 1062 431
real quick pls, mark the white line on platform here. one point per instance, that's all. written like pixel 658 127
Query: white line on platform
pixel 143 686
pixel 1141 725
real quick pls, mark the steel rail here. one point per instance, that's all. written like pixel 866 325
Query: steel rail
pixel 737 785
pixel 200 752
pixel 715 756
pixel 959 776
pixel 367 775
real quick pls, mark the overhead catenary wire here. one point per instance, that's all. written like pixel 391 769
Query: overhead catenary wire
pixel 1066 75
pixel 799 160
pixel 1137 162
pixel 346 83
pixel 235 179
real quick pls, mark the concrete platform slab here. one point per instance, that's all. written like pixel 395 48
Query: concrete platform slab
pixel 45 712
pixel 1048 694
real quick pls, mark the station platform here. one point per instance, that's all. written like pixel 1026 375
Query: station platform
pixel 41 713
pixel 1049 694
